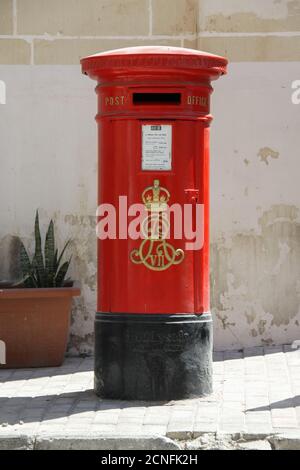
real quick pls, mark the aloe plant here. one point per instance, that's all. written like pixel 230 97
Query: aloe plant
pixel 45 269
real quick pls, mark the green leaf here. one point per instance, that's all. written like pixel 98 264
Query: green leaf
pixel 27 268
pixel 60 276
pixel 55 265
pixel 49 255
pixel 44 270
pixel 38 255
pixel 30 281
pixel 61 255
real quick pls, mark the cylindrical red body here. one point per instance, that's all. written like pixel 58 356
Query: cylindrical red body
pixel 153 328
pixel 169 88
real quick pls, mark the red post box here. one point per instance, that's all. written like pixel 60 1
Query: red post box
pixel 153 327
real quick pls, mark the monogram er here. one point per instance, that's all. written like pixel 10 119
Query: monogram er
pixel 155 252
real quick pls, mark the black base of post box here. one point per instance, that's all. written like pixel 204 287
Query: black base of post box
pixel 153 357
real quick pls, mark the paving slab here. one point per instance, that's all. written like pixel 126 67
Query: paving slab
pixel 255 405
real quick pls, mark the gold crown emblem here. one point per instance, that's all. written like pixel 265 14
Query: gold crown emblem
pixel 156 198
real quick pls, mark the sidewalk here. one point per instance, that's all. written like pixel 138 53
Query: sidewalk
pixel 255 404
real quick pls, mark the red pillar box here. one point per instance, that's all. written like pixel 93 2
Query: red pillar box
pixel 153 328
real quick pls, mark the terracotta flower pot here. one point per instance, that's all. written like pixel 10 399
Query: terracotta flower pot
pixel 34 326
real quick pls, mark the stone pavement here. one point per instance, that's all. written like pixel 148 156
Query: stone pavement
pixel 255 404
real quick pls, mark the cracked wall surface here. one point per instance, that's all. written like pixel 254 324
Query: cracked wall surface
pixel 48 146
pixel 255 231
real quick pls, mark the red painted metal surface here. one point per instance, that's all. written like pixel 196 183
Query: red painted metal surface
pixel 124 79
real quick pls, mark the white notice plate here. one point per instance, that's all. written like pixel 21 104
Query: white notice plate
pixel 157 147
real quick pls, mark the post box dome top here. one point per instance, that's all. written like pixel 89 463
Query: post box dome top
pixel 153 61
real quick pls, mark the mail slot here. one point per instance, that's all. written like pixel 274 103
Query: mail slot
pixel 153 326
pixel 156 98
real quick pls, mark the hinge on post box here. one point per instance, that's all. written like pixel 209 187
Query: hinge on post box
pixel 192 195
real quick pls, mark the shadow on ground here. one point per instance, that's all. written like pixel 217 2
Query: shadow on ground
pixel 69 366
pixel 14 410
pixel 287 403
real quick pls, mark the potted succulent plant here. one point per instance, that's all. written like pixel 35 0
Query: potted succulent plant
pixel 35 312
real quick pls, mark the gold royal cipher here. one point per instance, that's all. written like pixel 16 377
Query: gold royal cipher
pixel 155 252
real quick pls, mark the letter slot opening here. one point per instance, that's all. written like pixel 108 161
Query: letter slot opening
pixel 156 98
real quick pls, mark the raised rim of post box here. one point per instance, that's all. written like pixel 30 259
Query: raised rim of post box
pixel 159 60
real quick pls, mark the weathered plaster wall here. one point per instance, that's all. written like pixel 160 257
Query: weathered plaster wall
pixel 48 161
pixel 48 146
pixel 255 206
